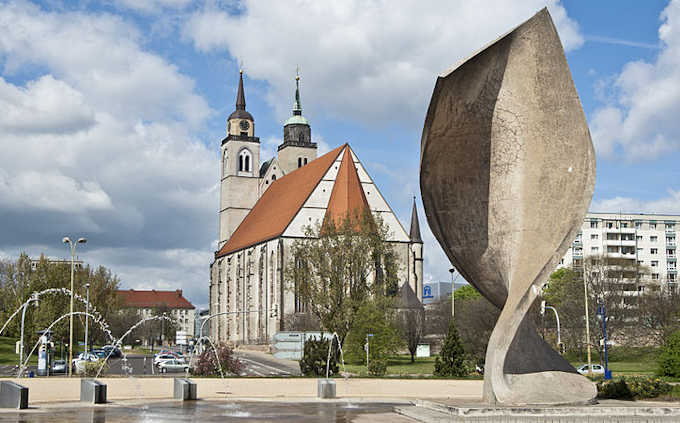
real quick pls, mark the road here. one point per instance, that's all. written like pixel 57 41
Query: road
pixel 257 364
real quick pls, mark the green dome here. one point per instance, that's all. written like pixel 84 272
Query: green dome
pixel 296 119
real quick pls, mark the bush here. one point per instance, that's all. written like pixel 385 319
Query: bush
pixel 91 368
pixel 207 364
pixel 451 361
pixel 632 388
pixel 669 360
pixel 315 355
pixel 377 367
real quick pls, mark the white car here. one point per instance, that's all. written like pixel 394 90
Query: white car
pixel 173 366
pixel 78 363
pixel 160 358
pixel 597 369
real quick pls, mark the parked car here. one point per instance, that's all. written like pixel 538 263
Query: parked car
pixel 173 366
pixel 116 352
pixel 100 353
pixel 78 363
pixel 163 357
pixel 59 366
pixel 597 369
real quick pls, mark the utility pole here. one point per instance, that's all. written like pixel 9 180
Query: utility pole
pixel 67 240
pixel 585 290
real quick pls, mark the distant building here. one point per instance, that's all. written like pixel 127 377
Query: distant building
pixel 66 262
pixel 647 240
pixel 146 301
pixel 201 315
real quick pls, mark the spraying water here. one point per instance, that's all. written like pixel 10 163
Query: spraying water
pixel 328 360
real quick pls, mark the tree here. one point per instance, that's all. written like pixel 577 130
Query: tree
pixel 451 359
pixel 376 318
pixel 207 364
pixel 338 267
pixel 411 325
pixel 315 358
pixel 658 311
pixel 669 360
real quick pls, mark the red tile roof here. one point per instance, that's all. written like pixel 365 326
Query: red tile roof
pixel 151 299
pixel 348 196
pixel 279 204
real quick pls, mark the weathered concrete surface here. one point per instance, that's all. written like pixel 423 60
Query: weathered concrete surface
pixel 507 173
pixel 58 389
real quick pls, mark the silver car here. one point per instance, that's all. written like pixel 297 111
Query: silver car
pixel 173 366
pixel 597 369
pixel 59 366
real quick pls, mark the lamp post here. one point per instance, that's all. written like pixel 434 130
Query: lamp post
pixel 67 240
pixel 87 312
pixel 585 290
pixel 602 313
pixel 23 317
pixel 453 290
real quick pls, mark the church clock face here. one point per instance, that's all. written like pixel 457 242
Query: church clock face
pixel 244 125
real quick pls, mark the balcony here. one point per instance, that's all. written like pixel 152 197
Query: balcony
pixel 670 243
pixel 578 243
pixel 670 230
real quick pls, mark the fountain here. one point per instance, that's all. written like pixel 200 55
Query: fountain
pixel 326 387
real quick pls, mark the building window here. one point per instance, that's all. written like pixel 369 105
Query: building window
pixel 244 161
pixel 594 236
pixel 299 161
pixel 654 238
pixel 610 225
pixel 671 277
pixel 624 224
pixel 305 160
pixel 273 178
pixel 655 276
pixel 612 237
pixel 594 249
pixel 612 249
pixel 670 226
pixel 593 224
pixel 655 263
pixel 638 225
pixel 640 262
pixel 639 251
pixel 652 225
pixel 638 238
pixel 670 252
pixel 653 251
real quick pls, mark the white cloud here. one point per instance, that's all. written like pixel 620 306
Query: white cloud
pixel 639 121
pixel 367 60
pixel 98 144
pixel 45 105
pixel 152 6
pixel 666 205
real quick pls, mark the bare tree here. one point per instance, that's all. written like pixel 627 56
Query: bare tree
pixel 411 325
pixel 658 312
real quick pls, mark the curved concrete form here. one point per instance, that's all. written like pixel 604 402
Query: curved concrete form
pixel 507 173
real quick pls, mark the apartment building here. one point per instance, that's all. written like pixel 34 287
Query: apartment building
pixel 646 239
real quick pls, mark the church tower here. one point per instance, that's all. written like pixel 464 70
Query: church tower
pixel 297 149
pixel 239 168
pixel 415 277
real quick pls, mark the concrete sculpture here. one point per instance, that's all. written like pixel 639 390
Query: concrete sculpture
pixel 507 174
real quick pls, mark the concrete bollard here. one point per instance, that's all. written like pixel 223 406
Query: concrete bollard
pixel 92 391
pixel 185 389
pixel 325 388
pixel 13 395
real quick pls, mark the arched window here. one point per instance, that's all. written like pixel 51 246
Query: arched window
pixel 273 178
pixel 299 161
pixel 224 163
pixel 305 160
pixel 244 161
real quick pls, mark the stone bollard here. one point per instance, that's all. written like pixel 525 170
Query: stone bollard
pixel 185 389
pixel 325 388
pixel 92 391
pixel 13 395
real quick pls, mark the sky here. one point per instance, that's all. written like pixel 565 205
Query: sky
pixel 112 112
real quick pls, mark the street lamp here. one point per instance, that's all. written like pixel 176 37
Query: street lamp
pixel 67 240
pixel 23 317
pixel 453 290
pixel 87 313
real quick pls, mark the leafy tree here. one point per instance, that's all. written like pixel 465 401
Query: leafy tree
pixel 338 267
pixel 411 325
pixel 377 318
pixel 466 292
pixel 315 357
pixel 207 364
pixel 451 358
pixel 669 360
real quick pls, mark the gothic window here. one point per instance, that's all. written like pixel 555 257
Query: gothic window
pixel 273 178
pixel 244 161
pixel 300 305
pixel 225 161
pixel 271 281
pixel 299 161
pixel 305 160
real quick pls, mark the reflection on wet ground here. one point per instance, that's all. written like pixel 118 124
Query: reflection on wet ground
pixel 212 411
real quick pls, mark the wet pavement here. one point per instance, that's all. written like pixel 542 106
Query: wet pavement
pixel 216 411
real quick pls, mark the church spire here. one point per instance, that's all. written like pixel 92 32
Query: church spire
pixel 415 225
pixel 297 107
pixel 240 97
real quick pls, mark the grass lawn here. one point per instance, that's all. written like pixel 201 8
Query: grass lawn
pixel 7 354
pixel 398 365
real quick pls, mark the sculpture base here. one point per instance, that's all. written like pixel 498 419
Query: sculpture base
pixel 551 388
pixel 325 388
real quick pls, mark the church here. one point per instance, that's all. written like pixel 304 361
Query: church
pixel 265 207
